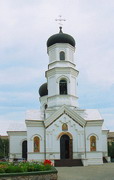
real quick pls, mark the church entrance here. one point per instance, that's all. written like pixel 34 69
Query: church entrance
pixel 24 149
pixel 65 147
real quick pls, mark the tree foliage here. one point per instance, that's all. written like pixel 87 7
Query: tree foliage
pixel 4 148
pixel 111 149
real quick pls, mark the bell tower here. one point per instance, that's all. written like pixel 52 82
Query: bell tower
pixel 61 74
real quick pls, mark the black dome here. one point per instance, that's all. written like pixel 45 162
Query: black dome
pixel 43 90
pixel 61 38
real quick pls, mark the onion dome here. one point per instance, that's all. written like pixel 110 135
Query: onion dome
pixel 43 91
pixel 61 38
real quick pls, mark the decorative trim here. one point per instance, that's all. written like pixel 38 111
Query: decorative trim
pixel 34 123
pixel 36 152
pixel 95 122
pixel 65 133
pixel 63 77
pixel 63 95
pixel 25 139
pixel 61 70
pixel 69 112
pixel 65 61
pixel 92 134
pixel 31 139
pixel 17 133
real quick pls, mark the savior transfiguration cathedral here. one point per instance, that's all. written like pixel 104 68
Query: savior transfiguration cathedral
pixel 60 130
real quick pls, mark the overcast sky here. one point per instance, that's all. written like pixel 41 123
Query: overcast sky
pixel 25 26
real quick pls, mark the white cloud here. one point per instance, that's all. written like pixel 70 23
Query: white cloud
pixel 6 125
pixel 15 95
pixel 10 118
pixel 108 115
pixel 19 75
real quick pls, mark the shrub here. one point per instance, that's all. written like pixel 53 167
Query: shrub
pixel 13 169
pixel 2 171
pixel 30 168
pixel 48 167
pixel 8 167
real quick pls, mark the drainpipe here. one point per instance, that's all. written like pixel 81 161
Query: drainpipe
pixel 85 140
pixel 44 136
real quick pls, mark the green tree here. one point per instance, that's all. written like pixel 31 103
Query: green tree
pixel 111 149
pixel 4 148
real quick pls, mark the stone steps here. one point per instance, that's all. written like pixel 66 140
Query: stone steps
pixel 68 162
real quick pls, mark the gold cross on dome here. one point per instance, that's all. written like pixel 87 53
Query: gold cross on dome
pixel 60 19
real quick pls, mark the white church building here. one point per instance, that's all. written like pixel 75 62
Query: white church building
pixel 60 130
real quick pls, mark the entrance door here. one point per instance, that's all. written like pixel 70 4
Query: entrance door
pixel 24 149
pixel 65 147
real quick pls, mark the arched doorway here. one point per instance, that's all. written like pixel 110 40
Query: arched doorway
pixel 24 149
pixel 65 147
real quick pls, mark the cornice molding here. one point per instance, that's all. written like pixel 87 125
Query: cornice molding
pixel 61 70
pixel 34 123
pixel 60 95
pixel 94 122
pixel 61 62
pixel 17 133
pixel 60 45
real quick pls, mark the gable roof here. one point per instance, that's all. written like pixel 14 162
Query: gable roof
pixel 64 110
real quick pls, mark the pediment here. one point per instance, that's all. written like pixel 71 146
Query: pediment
pixel 69 112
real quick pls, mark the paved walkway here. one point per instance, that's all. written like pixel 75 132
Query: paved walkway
pixel 101 172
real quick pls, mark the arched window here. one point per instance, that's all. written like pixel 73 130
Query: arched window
pixel 63 86
pixel 36 144
pixel 62 55
pixel 92 143
pixel 64 127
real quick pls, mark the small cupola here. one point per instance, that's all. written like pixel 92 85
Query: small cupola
pixel 43 91
pixel 61 38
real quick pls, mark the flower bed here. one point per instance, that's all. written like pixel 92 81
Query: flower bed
pixel 29 170
pixel 7 167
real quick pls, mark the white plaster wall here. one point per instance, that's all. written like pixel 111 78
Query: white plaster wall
pixel 53 131
pixel 31 133
pixel 43 101
pixel 15 145
pixel 104 143
pixel 62 100
pixel 54 50
pixel 36 156
pixel 72 90
pixel 94 130
pixel 94 158
pixel 52 86
pixel 54 97
pixel 53 83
